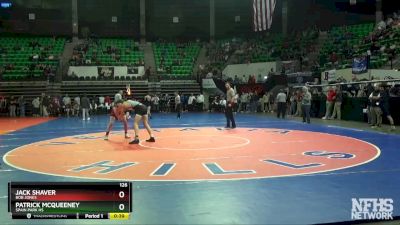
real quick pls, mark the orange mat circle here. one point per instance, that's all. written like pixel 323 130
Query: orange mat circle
pixel 194 154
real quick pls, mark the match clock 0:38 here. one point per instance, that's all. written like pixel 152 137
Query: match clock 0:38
pixel 118 216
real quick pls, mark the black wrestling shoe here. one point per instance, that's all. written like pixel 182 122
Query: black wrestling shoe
pixel 151 139
pixel 136 141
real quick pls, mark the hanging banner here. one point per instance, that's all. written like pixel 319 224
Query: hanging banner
pixel 105 71
pixel 360 65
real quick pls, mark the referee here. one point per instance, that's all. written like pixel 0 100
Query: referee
pixel 230 101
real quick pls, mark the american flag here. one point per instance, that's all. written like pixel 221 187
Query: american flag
pixel 263 11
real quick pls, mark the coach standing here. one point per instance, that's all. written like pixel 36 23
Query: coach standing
pixel 230 101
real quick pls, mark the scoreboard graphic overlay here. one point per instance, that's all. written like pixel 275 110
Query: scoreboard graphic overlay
pixel 72 200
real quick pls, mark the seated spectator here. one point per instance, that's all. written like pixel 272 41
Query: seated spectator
pixel 381 25
pixel 35 57
pixel 74 108
pixel 222 104
pixel 10 66
pixel 108 102
pixel 214 106
pixel 252 79
pixel 334 58
pixel 101 102
pixel 236 80
pixel 55 106
pixel 93 106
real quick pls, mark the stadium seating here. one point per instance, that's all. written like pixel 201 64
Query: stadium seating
pixel 352 41
pixel 16 57
pixel 262 48
pixel 175 60
pixel 219 52
pixel 278 47
pixel 126 49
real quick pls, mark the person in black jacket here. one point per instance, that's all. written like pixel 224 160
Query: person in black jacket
pixel 384 104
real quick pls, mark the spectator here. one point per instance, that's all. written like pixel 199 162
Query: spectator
pixel 13 106
pixel 118 96
pixel 191 102
pixel 299 100
pixel 45 105
pixel 281 104
pixel 55 106
pixel 162 103
pixel 270 102
pixel 236 102
pixel 330 100
pixel 36 107
pixel 236 80
pixel 259 79
pixel 3 105
pixel 381 25
pixel 147 72
pixel 178 105
pixel 338 104
pixel 264 102
pixel 166 102
pixel 184 101
pixel 101 102
pixel 93 106
pixel 77 106
pixel 368 90
pixel 21 105
pixel 293 103
pixel 107 102
pixel 214 107
pixel 67 104
pixel 155 100
pixel 244 79
pixel 243 100
pixel 254 101
pixel 147 103
pixel 250 101
pixel 376 112
pixel 85 104
pixel 384 104
pixel 306 104
pixel 200 102
pixel 334 58
pixel 221 104
pixel 252 79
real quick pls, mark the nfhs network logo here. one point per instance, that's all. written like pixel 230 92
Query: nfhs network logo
pixel 372 209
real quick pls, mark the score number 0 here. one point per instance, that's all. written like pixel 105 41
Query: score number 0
pixel 121 194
